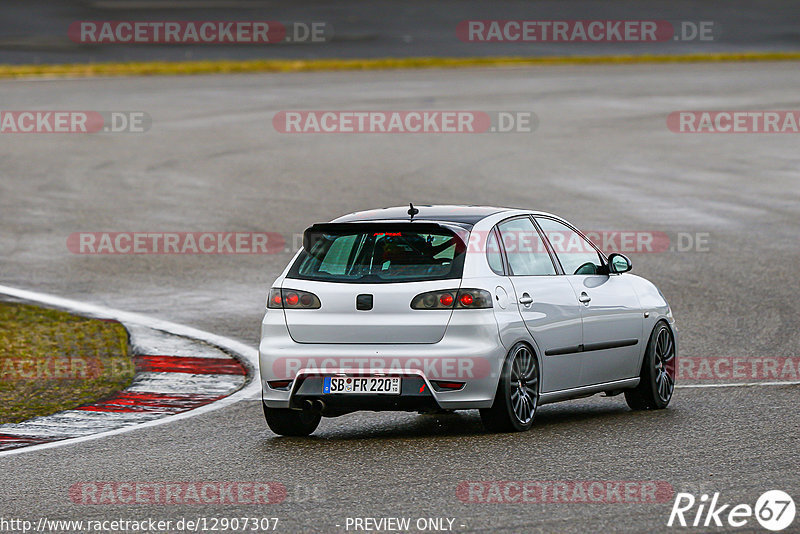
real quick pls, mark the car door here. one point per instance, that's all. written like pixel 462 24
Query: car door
pixel 546 301
pixel 610 310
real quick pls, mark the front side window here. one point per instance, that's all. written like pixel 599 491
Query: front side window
pixel 371 254
pixel 576 254
pixel 525 250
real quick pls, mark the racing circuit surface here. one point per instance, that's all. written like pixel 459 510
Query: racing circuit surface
pixel 601 156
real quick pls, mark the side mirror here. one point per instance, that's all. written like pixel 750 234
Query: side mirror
pixel 619 263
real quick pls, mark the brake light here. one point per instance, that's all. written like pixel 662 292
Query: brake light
pixel 443 300
pixel 292 299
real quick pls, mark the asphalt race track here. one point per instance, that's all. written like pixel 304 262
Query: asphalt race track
pixel 601 156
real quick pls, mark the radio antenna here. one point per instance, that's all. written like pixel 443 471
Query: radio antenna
pixel 412 211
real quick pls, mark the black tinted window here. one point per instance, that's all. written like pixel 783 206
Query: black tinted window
pixel 370 254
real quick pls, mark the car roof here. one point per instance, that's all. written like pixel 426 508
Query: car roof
pixel 467 215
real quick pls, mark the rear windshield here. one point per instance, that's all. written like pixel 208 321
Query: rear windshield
pixel 371 254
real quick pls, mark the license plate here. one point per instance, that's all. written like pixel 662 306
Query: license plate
pixel 373 385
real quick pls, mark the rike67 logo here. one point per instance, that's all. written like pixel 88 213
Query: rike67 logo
pixel 774 510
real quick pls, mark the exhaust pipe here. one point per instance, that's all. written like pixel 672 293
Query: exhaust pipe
pixel 315 405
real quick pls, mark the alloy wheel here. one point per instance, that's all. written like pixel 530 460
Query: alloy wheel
pixel 524 390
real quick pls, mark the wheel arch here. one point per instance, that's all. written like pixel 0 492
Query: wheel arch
pixel 531 344
pixel 661 320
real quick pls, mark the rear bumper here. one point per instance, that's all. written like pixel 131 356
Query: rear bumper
pixel 469 352
pixel 415 395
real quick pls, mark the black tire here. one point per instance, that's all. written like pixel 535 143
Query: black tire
pixel 657 377
pixel 286 422
pixel 517 396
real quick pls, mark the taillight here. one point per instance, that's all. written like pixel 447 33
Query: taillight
pixel 474 299
pixel 447 299
pixel 275 300
pixel 292 299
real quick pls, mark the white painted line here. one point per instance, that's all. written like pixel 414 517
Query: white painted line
pixel 246 354
pixel 738 385
pixel 146 341
pixel 76 423
pixel 185 384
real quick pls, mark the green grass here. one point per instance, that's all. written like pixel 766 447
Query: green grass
pixel 149 68
pixel 52 360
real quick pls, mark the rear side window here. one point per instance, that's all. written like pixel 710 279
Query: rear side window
pixel 367 253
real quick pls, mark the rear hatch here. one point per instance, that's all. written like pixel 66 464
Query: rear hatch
pixel 380 268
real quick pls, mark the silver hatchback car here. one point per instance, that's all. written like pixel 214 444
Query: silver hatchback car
pixel 455 308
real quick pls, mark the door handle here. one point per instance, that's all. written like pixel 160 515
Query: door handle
pixel 526 299
pixel 585 298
